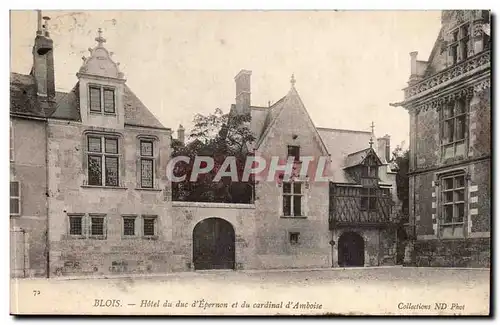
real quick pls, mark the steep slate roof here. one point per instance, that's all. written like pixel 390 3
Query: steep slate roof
pixel 136 113
pixel 275 110
pixel 356 158
pixel 340 144
pixel 23 100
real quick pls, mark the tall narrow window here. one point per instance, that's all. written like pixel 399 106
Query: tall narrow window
pixel 294 151
pixel 368 199
pixel 149 226
pixel 292 199
pixel 95 99
pixel 103 160
pixel 129 226
pixel 147 164
pixel 15 198
pixel 452 205
pixel 459 43
pixel 454 128
pixel 109 100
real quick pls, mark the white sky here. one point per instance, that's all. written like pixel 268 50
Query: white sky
pixel 349 65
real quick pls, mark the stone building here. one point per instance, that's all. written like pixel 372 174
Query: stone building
pixel 449 101
pixel 89 177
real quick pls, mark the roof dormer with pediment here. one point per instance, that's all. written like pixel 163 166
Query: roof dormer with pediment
pixel 101 88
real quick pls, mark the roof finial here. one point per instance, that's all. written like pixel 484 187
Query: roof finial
pixel 292 80
pixel 99 39
pixel 371 136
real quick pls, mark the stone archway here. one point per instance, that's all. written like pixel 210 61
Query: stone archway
pixel 351 249
pixel 213 244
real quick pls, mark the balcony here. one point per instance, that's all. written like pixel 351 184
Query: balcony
pixel 350 206
pixel 449 75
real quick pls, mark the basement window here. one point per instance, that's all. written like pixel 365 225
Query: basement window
pixel 294 238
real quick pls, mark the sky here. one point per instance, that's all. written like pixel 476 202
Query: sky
pixel 348 65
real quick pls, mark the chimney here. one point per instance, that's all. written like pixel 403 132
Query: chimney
pixel 180 133
pixel 413 70
pixel 384 147
pixel 242 81
pixel 43 59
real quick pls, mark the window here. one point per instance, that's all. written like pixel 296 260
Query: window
pixel 294 237
pixel 129 226
pixel 459 44
pixel 76 225
pixel 292 199
pixel 96 226
pixel 15 198
pixel 370 171
pixel 102 99
pixel 454 128
pixel 368 199
pixel 149 226
pixel 452 205
pixel 294 151
pixel 103 160
pixel 147 164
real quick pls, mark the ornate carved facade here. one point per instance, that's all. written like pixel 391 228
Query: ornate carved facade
pixel 448 99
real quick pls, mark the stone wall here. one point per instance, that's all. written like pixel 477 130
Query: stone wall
pixel 472 252
pixel 28 166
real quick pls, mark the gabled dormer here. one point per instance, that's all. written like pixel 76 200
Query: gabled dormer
pixel 101 88
pixel 363 167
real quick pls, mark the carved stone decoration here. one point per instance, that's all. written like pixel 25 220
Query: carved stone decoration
pixel 482 85
pixel 100 63
pixel 439 102
pixel 478 30
pixel 448 74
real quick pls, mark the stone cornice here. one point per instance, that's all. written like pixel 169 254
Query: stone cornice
pixel 478 62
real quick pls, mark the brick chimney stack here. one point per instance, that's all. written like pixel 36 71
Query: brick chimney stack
pixel 43 60
pixel 242 81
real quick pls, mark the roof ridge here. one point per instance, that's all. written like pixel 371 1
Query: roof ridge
pixel 342 130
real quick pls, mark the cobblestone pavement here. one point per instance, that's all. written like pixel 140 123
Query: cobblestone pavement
pixel 373 291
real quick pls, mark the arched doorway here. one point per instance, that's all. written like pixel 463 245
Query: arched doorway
pixel 213 245
pixel 351 250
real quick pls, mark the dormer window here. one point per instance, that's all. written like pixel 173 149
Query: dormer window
pixel 459 46
pixel 102 99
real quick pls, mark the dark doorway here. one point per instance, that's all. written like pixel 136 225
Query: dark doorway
pixel 351 250
pixel 402 241
pixel 213 245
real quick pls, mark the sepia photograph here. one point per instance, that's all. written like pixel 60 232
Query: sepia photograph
pixel 250 162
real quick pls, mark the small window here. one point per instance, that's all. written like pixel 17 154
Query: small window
pixel 129 226
pixel 76 225
pixel 294 151
pixel 11 147
pixel 15 198
pixel 294 237
pixel 149 226
pixel 453 127
pixel 97 226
